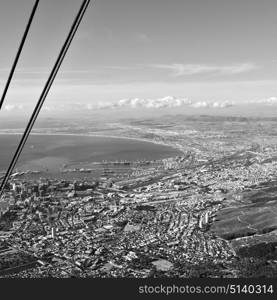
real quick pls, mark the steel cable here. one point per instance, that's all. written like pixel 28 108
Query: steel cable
pixel 44 93
pixel 18 53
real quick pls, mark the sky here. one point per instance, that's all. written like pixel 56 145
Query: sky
pixel 204 50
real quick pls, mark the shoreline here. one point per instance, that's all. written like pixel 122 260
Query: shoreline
pixel 97 135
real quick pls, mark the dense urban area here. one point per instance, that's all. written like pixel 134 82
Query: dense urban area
pixel 209 212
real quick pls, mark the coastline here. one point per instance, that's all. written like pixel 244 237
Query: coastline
pixel 96 135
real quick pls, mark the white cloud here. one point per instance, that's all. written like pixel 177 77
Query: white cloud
pixel 268 101
pixel 199 104
pixel 12 107
pixel 165 102
pixel 153 103
pixel 212 104
pixel 168 101
pixel 104 105
pixel 223 104
pixel 193 69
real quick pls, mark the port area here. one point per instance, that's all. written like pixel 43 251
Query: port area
pixel 210 212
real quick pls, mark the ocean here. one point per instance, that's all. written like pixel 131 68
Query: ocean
pixel 53 151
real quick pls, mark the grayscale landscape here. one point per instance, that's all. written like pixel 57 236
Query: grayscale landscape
pixel 155 154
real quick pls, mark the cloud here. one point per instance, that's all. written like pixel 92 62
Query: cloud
pixel 212 104
pixel 223 104
pixel 168 101
pixel 194 69
pixel 103 105
pixel 267 101
pixel 13 107
pixel 165 102
pixel 153 103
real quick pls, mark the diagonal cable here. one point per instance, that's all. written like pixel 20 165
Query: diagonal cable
pixel 18 53
pixel 44 93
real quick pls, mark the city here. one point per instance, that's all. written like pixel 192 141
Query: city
pixel 201 214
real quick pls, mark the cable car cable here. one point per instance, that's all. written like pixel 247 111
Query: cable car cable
pixel 21 45
pixel 44 93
